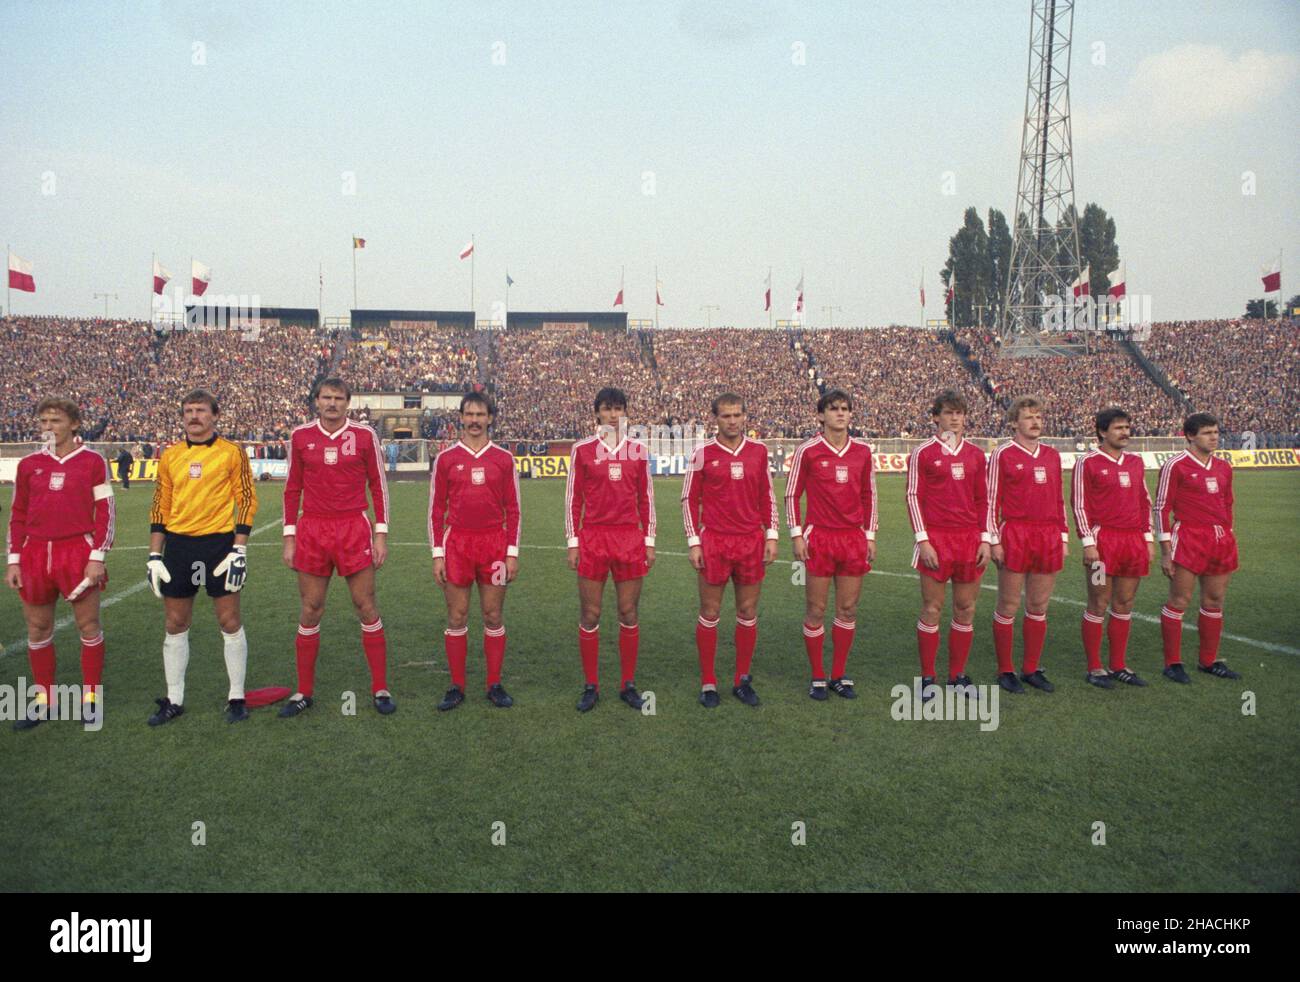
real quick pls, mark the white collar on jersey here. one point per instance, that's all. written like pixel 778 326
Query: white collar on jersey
pixel 1190 456
pixel 947 449
pixel 1102 450
pixel 1017 443
pixel 63 460
pixel 838 453
pixel 481 450
pixel 735 453
pixel 337 433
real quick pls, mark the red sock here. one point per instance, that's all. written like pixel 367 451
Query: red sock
pixel 1035 629
pixel 494 650
pixel 927 644
pixel 706 645
pixel 1210 625
pixel 375 645
pixel 628 639
pixel 1092 625
pixel 589 649
pixel 1171 633
pixel 841 641
pixel 812 642
pixel 1004 642
pixel 1117 635
pixel 41 656
pixel 746 642
pixel 92 661
pixel 457 645
pixel 306 647
pixel 960 637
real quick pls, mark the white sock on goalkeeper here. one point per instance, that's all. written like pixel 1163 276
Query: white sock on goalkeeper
pixel 176 656
pixel 236 652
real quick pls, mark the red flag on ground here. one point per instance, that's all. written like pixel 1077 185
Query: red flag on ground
pixel 1272 275
pixel 20 274
pixel 161 277
pixel 200 277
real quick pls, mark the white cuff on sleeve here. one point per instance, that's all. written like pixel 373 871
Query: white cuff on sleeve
pixel 1065 537
pixel 438 552
pixel 650 541
pixel 922 536
pixel 795 531
pixel 692 540
pixel 1165 537
pixel 1148 537
pixel 512 552
pixel 772 534
pixel 871 536
pixel 1087 541
pixel 15 559
pixel 291 530
pixel 381 527
pixel 102 491
pixel 985 537
pixel 97 555
pixel 573 542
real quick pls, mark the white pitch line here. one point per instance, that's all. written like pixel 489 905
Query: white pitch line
pixel 131 591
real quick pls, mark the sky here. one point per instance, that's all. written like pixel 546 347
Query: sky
pixel 840 141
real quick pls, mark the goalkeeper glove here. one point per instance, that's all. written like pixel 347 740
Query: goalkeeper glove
pixel 156 573
pixel 235 566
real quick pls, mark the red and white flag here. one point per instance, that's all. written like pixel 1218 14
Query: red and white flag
pixel 659 285
pixel 1080 286
pixel 467 251
pixel 618 300
pixel 160 277
pixel 200 277
pixel 767 295
pixel 1272 275
pixel 1117 284
pixel 798 300
pixel 20 274
pixel 952 286
pixel 923 289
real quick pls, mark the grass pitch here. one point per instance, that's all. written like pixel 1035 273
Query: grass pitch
pixel 1194 794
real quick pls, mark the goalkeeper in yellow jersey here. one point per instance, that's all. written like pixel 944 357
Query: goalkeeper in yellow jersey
pixel 203 508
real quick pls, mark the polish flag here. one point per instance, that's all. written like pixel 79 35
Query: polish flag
pixel 618 300
pixel 469 248
pixel 160 277
pixel 767 295
pixel 798 300
pixel 923 289
pixel 1117 284
pixel 952 287
pixel 1272 275
pixel 200 277
pixel 20 274
pixel 1080 286
pixel 658 286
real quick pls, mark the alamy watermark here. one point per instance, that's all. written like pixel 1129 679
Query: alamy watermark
pixel 949 703
pixel 66 703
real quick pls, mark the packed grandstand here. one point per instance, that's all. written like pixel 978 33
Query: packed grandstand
pixel 129 375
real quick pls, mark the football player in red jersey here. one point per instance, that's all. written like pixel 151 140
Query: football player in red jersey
pixel 330 463
pixel 609 518
pixel 61 527
pixel 1029 544
pixel 474 531
pixel 947 504
pixel 1194 524
pixel 1112 515
pixel 839 541
pixel 732 528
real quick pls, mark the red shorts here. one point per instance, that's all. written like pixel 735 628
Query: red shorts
pixel 617 549
pixel 957 549
pixel 738 557
pixel 51 567
pixel 1031 547
pixel 836 552
pixel 1206 550
pixel 476 556
pixel 327 544
pixel 1123 552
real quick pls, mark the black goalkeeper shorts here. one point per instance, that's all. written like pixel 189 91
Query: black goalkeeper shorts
pixel 190 560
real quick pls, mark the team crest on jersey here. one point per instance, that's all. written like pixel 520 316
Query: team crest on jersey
pixel 616 472
pixel 477 475
pixel 737 470
pixel 56 481
pixel 959 472
pixel 1124 480
pixel 1211 484
pixel 1040 475
pixel 841 473
pixel 331 455
pixel 196 470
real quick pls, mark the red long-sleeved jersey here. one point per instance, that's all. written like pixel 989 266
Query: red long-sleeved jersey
pixel 841 486
pixel 1109 492
pixel 1194 493
pixel 469 490
pixel 329 473
pixel 57 498
pixel 1025 487
pixel 729 491
pixel 947 488
pixel 609 486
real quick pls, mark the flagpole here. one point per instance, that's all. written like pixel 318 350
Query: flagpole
pixel 354 274
pixel 507 317
pixel 769 298
pixel 472 316
pixel 656 298
pixel 153 259
pixel 9 299
pixel 320 292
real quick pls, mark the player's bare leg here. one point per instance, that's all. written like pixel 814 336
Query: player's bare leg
pixel 706 638
pixel 590 598
pixel 1209 625
pixel 1182 582
pixel 933 595
pixel 1038 593
pixel 628 594
pixel 492 603
pixel 847 591
pixel 40 652
pixel 361 585
pixel 1011 586
pixel 455 637
pixel 746 641
pixel 817 591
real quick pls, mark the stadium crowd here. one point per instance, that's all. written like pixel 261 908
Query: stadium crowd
pixel 425 359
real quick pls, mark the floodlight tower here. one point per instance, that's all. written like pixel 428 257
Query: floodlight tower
pixel 1045 237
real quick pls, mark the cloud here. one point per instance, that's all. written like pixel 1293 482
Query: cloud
pixel 1189 86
